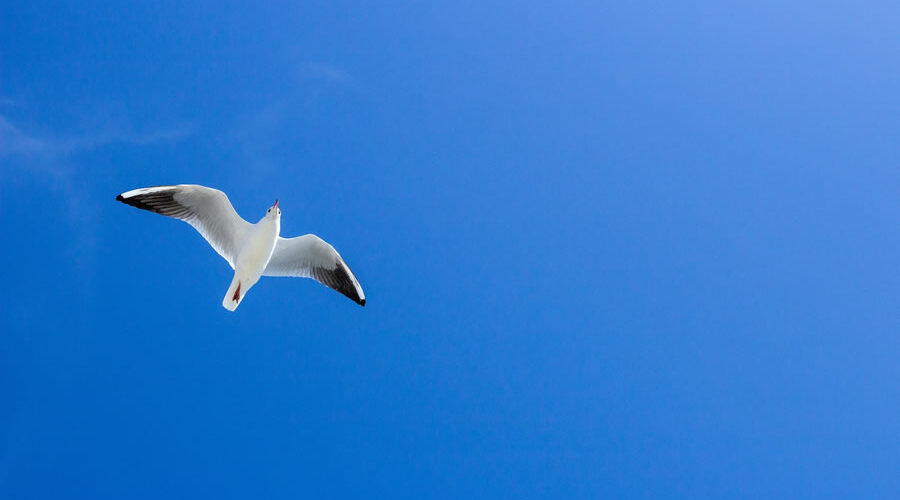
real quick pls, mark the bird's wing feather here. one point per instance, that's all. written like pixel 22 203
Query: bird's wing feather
pixel 308 256
pixel 207 209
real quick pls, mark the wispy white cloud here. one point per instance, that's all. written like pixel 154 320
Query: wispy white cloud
pixel 14 141
pixel 118 136
pixel 265 135
pixel 256 135
pixel 9 102
pixel 53 160
pixel 317 71
pixel 259 134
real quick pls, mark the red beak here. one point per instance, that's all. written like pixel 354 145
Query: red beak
pixel 276 203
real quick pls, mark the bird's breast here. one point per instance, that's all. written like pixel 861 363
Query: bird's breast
pixel 257 250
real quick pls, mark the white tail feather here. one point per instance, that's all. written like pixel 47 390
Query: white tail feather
pixel 234 290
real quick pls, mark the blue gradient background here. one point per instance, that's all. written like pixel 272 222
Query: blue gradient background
pixel 610 250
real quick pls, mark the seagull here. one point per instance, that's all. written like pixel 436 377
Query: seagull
pixel 252 250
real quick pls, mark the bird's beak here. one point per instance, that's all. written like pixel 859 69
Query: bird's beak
pixel 276 203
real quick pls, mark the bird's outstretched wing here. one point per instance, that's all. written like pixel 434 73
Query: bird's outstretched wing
pixel 207 209
pixel 308 256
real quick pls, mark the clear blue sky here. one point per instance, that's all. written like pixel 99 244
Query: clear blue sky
pixel 610 250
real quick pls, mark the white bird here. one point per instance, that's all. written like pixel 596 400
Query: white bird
pixel 252 250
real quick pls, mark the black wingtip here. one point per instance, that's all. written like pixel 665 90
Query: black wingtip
pixel 119 198
pixel 362 302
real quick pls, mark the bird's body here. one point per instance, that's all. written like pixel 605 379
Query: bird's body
pixel 252 259
pixel 252 250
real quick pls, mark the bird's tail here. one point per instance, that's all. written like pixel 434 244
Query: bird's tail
pixel 235 294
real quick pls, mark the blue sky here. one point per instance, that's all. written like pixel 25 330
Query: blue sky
pixel 642 250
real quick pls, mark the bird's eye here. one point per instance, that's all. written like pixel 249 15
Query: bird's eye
pixel 269 210
pixel 279 212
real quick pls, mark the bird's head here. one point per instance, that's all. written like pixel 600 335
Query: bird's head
pixel 274 212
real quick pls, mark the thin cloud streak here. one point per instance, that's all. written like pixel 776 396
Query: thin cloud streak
pixel 326 73
pixel 16 142
pixel 51 160
pixel 9 102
